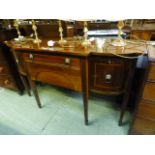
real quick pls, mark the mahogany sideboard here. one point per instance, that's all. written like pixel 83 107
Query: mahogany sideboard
pixel 77 68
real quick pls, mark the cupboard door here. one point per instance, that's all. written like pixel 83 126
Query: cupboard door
pixel 107 75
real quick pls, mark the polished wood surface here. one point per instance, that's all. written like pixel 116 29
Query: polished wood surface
pixel 83 69
pixel 74 48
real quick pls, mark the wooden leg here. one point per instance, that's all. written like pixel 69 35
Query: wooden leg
pixel 20 92
pixel 35 92
pixel 26 85
pixel 85 105
pixel 123 108
pixel 127 91
pixel 85 92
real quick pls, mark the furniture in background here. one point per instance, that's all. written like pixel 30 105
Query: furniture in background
pixel 141 34
pixel 46 29
pixel 9 75
pixel 144 117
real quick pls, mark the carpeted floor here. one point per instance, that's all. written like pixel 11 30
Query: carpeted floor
pixel 62 114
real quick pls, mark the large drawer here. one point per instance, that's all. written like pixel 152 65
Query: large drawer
pixel 146 110
pixel 60 75
pixel 4 70
pixel 143 126
pixel 149 91
pixel 6 81
pixel 151 75
pixel 51 59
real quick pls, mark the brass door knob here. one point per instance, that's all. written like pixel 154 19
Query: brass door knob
pixel 108 78
pixel 1 69
pixel 6 82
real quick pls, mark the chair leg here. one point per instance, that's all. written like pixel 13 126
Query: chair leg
pixel 26 85
pixel 35 92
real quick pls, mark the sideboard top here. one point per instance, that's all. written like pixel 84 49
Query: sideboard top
pixel 74 47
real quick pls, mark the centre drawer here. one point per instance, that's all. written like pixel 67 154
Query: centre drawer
pixel 52 59
pixel 59 75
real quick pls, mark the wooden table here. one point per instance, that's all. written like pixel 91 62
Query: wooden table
pixel 83 69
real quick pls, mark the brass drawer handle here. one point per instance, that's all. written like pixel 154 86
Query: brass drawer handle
pixel 1 69
pixel 31 56
pixel 67 61
pixel 6 82
pixel 108 78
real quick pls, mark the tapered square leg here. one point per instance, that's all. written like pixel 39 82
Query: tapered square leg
pixel 35 92
pixel 27 87
pixel 128 90
pixel 85 92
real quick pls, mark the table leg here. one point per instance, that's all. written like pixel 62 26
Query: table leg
pixel 35 92
pixel 85 104
pixel 25 85
pixel 128 87
pixel 84 75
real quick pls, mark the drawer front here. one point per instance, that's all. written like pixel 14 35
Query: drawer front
pixel 64 76
pixel 6 81
pixel 151 75
pixel 146 110
pixel 149 91
pixel 107 75
pixel 143 126
pixel 4 69
pixel 50 59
